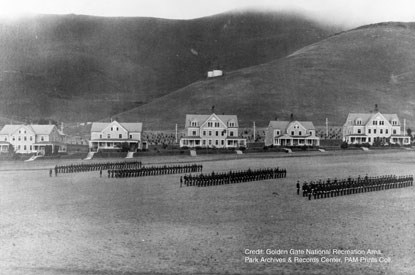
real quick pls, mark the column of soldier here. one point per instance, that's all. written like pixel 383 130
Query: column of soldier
pixel 86 167
pixel 204 180
pixel 325 189
pixel 154 170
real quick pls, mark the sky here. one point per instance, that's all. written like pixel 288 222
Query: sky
pixel 346 12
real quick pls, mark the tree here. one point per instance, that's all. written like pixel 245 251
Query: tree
pixel 11 149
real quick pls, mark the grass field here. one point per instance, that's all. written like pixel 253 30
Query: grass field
pixel 84 224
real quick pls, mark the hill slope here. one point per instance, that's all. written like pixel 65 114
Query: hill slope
pixel 348 72
pixel 84 68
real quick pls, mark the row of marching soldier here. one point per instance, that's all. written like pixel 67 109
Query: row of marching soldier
pixel 213 179
pixel 87 167
pixel 154 171
pixel 325 189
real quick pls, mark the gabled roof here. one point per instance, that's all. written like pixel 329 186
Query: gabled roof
pixel 200 119
pixel 283 125
pixel 366 117
pixel 42 129
pixel 130 126
pixel 8 129
pixel 36 128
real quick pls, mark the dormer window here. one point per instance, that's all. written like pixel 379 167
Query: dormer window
pixel 231 124
pixel 394 122
pixel 193 123
pixel 358 121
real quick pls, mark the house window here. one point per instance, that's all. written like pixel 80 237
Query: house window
pixel 210 142
pixel 369 131
pixel 222 142
pixel 359 131
pixel 231 124
pixel 204 133
pixel 216 124
pixel 100 136
pixel 210 124
pixel 299 133
pixel 120 135
pixel 30 147
pixel 375 122
pixel 210 133
pixel 292 133
pixel 25 138
pixel 369 139
pixel 231 133
pixel 217 133
pixel 117 128
pixel 13 138
pixel 131 136
pixel 193 133
pixel 381 131
pixel 194 124
pixel 111 129
pixel 386 131
pixel 277 132
pixel 24 147
pixel 18 138
pixel 42 138
pixel 5 139
pixel 20 132
pixel 381 122
pixel 374 131
pixel 217 142
pixel 394 132
pixel 108 136
pixel 31 138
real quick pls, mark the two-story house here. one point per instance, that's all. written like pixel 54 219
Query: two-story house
pixel 367 127
pixel 214 131
pixel 27 139
pixel 114 135
pixel 291 133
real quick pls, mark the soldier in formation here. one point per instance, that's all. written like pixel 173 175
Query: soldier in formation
pixel 204 180
pixel 154 171
pixel 333 188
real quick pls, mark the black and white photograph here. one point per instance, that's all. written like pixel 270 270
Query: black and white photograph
pixel 207 137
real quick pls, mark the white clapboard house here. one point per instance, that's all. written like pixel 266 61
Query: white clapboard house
pixel 213 131
pixel 291 133
pixel 115 135
pixel 367 127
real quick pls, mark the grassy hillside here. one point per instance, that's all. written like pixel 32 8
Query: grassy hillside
pixel 79 68
pixel 348 72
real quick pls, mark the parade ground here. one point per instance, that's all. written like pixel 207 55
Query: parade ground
pixel 80 223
